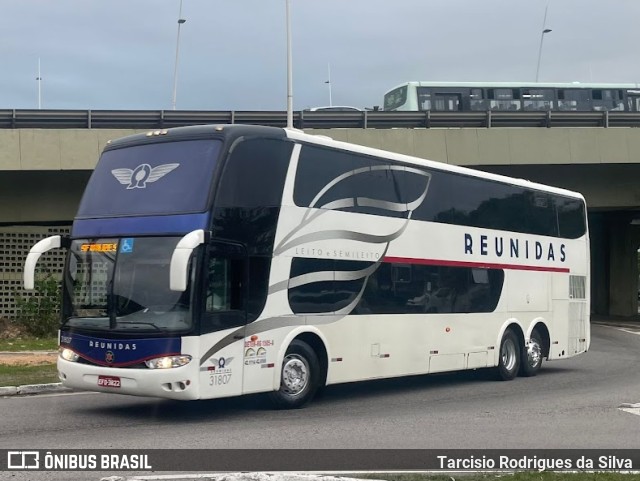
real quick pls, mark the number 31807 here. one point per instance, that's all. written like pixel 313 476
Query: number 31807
pixel 219 379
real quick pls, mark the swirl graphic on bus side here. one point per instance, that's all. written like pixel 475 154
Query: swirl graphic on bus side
pixel 296 238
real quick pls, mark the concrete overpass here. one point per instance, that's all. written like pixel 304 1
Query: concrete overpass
pixel 43 173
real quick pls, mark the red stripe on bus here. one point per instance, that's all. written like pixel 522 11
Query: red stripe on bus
pixel 482 265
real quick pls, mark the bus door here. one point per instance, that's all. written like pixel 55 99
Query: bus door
pixel 447 102
pixel 223 319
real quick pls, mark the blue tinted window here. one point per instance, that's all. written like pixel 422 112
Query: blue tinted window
pixel 162 178
pixel 392 288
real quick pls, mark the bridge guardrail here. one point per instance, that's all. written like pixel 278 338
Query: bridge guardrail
pixel 153 119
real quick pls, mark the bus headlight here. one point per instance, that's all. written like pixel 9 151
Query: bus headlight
pixel 167 362
pixel 68 354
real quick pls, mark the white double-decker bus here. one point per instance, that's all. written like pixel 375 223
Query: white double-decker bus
pixel 215 261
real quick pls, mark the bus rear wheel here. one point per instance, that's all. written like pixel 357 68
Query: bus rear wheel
pixel 532 356
pixel 509 363
pixel 298 377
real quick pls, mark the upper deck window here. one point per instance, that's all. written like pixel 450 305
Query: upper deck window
pixel 152 179
pixel 504 99
pixel 607 99
pixel 477 100
pixel 573 99
pixel 537 99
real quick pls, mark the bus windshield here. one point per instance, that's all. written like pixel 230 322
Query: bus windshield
pixel 123 285
pixel 150 179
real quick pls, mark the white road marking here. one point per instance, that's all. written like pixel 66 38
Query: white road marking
pixel 630 408
pixel 637 333
pixel 623 329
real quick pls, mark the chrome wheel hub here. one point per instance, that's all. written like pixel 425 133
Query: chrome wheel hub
pixel 295 374
pixel 534 353
pixel 508 354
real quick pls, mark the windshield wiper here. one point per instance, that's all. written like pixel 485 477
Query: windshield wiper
pixel 111 307
pixel 144 324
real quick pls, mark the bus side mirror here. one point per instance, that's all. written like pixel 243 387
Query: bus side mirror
pixel 178 272
pixel 36 251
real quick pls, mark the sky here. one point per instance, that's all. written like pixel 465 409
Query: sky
pixel 121 54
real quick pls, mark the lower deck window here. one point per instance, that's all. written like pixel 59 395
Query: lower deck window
pixel 392 288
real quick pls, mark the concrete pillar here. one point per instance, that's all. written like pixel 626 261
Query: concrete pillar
pixel 624 239
pixel 599 237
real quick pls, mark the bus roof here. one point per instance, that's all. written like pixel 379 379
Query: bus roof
pixel 566 85
pixel 231 131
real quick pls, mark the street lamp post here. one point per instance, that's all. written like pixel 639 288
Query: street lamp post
pixel 544 30
pixel 289 72
pixel 175 68
pixel 328 81
pixel 39 80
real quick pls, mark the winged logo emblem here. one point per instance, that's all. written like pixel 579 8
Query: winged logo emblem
pixel 222 362
pixel 143 174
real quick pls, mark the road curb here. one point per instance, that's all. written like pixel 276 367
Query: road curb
pixel 31 389
pixel 8 391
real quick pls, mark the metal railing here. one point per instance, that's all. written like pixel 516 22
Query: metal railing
pixel 153 119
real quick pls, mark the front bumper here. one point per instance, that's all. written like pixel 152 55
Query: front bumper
pixel 176 383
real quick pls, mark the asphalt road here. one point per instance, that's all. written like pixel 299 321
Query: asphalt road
pixel 570 404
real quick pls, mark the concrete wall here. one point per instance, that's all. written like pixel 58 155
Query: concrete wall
pixel 53 149
pixel 78 149
pixel 503 146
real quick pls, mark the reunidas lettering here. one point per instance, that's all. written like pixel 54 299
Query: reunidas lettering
pixel 513 248
pixel 113 346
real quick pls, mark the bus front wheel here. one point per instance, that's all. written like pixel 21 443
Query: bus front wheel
pixel 509 362
pixel 298 378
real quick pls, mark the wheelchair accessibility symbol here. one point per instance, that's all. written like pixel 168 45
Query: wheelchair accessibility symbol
pixel 126 246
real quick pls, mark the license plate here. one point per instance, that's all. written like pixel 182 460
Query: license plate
pixel 108 381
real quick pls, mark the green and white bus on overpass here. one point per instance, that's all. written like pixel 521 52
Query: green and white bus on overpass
pixel 512 97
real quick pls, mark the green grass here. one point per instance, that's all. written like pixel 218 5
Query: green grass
pixel 23 375
pixel 29 344
pixel 523 476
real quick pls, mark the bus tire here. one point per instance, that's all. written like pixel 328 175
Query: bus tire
pixel 532 355
pixel 298 378
pixel 509 359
